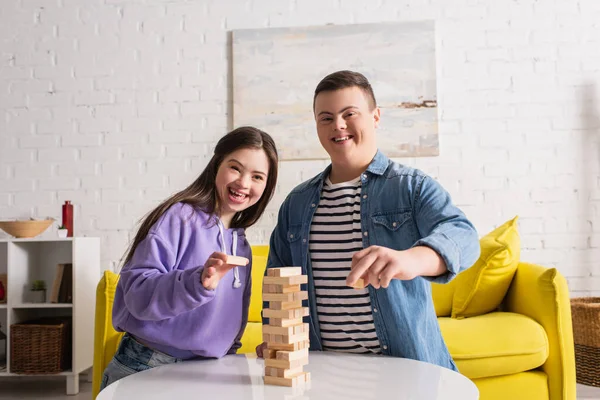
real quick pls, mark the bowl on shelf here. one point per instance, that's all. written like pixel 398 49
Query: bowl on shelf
pixel 25 229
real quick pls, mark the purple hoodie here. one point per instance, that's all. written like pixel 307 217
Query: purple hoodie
pixel 160 298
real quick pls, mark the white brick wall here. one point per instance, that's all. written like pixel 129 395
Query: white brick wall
pixel 116 104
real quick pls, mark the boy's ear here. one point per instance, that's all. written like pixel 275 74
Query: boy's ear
pixel 376 116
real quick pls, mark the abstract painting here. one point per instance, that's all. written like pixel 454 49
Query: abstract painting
pixel 275 72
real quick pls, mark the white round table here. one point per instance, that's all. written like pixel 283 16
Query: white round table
pixel 333 376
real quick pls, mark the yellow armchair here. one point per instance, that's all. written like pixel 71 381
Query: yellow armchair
pixel 106 339
pixel 253 334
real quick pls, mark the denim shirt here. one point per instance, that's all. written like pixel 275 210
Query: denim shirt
pixel 401 207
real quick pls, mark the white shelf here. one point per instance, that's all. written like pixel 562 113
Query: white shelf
pixel 64 373
pixel 42 305
pixel 69 239
pixel 26 260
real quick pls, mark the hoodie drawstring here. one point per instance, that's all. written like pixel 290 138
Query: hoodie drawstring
pixel 236 273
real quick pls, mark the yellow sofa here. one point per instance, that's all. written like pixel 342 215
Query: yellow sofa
pixel 525 351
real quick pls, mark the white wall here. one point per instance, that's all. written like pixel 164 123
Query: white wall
pixel 116 104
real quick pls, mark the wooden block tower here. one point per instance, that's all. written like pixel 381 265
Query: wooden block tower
pixel 286 335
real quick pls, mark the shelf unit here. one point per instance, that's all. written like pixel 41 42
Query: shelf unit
pixel 25 260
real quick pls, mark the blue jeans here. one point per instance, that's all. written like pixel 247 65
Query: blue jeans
pixel 132 357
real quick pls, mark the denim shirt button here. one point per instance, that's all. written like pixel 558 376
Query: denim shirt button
pixel 366 233
pixel 384 347
pixel 364 196
pixel 364 176
pixel 313 205
pixel 303 240
pixel 394 224
pixel 374 310
pixel 291 236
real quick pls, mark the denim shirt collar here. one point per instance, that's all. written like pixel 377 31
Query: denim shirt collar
pixel 378 165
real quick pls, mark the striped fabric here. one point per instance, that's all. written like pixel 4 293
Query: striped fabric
pixel 345 315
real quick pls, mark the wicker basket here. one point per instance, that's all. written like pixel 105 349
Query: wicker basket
pixel 40 346
pixel 586 333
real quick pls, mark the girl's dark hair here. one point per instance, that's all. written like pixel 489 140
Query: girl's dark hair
pixel 201 194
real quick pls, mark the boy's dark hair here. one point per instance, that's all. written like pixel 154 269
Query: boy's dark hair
pixel 201 194
pixel 345 79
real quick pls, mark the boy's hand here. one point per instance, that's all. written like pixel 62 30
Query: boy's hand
pixel 379 265
pixel 260 349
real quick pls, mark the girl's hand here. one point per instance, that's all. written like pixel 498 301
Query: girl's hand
pixel 214 269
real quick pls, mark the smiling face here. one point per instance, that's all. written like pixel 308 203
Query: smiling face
pixel 346 123
pixel 240 181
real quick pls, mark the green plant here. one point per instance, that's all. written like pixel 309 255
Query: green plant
pixel 38 285
pixel 62 227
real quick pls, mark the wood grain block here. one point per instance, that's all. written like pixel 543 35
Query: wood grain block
pixel 286 364
pixel 286 314
pixel 280 288
pixel 285 305
pixel 285 330
pixel 282 373
pixel 286 280
pixel 235 260
pixel 291 355
pixel 269 353
pixel 304 344
pixel 289 382
pixel 359 284
pixel 284 321
pixel 285 271
pixel 298 296
pixel 273 339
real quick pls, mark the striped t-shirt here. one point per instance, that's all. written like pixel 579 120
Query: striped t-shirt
pixel 344 313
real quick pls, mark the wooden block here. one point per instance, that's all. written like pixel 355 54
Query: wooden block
pixel 299 379
pixel 282 373
pixel 284 321
pixel 307 377
pixel 285 305
pixel 286 280
pixel 286 314
pixel 269 353
pixel 281 288
pixel 359 284
pixel 291 355
pixel 273 339
pixel 304 344
pixel 298 296
pixel 285 330
pixel 286 364
pixel 235 260
pixel 285 271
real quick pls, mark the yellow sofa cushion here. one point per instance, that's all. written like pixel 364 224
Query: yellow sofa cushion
pixel 443 294
pixel 531 385
pixel 481 288
pixel 106 339
pixel 259 264
pixel 498 343
pixel 252 337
